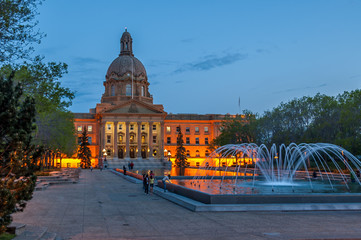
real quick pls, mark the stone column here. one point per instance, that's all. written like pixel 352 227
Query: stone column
pixel 150 141
pixel 127 136
pixel 115 139
pixel 139 155
pixel 103 139
pixel 161 141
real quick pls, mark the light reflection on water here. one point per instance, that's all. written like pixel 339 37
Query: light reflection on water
pixel 246 186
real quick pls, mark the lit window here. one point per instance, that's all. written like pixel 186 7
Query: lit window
pixel 108 139
pixel 120 138
pixel 143 127
pixel 188 130
pixel 154 139
pixel 131 127
pixel 197 153
pixel 205 129
pixel 154 152
pixel 109 126
pixel 143 139
pixel 90 128
pixel 128 90
pixel 187 140
pixel 154 127
pixel 80 129
pixel 188 154
pixel 131 138
pixel 112 90
pixel 142 91
pixel 197 141
pixel 168 129
pixel 206 141
pixel 168 140
pixel 90 140
pixel 197 129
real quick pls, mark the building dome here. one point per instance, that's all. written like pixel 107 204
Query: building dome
pixel 126 63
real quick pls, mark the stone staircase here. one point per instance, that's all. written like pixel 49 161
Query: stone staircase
pixel 139 164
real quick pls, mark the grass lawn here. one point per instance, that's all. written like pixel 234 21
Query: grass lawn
pixel 6 236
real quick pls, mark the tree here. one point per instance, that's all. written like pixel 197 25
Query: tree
pixel 17 28
pixel 180 156
pixel 17 182
pixel 84 152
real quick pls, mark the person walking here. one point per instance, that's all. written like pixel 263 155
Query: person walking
pixel 91 168
pixel 164 180
pixel 124 170
pixel 151 183
pixel 146 183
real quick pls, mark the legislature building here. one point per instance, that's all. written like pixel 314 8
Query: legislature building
pixel 127 126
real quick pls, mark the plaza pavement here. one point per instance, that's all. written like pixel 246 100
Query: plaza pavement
pixel 105 206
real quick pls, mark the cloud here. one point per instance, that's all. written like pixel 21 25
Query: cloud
pixel 210 62
pixel 302 88
pixel 262 50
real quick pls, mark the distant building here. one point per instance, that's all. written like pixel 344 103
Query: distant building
pixel 126 125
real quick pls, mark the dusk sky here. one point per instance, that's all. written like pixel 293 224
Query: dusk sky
pixel 201 56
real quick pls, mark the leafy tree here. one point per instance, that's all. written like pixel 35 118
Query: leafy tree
pixel 84 152
pixel 180 156
pixel 17 28
pixel 17 115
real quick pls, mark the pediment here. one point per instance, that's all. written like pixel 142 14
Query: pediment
pixel 134 107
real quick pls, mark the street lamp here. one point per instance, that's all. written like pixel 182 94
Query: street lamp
pixel 169 156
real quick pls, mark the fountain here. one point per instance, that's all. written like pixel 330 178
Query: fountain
pixel 303 173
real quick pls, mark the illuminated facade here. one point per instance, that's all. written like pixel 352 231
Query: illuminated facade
pixel 127 125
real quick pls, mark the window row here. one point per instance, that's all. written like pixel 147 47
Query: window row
pixel 187 129
pixel 89 129
pixel 131 127
pixel 206 153
pixel 187 142
pixel 131 139
pixel 128 90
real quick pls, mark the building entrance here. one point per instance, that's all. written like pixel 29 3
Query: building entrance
pixel 144 153
pixel 120 152
pixel 132 153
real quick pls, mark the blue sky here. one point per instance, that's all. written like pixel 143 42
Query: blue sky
pixel 201 56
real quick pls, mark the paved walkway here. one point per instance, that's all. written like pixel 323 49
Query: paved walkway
pixel 105 206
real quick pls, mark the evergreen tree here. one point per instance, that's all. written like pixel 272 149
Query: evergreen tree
pixel 17 182
pixel 84 152
pixel 181 157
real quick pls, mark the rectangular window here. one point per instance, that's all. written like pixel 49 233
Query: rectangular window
pixel 90 140
pixel 131 127
pixel 196 129
pixel 168 140
pixel 187 141
pixel 108 139
pixel 178 129
pixel 154 139
pixel 188 130
pixel 109 126
pixel 197 141
pixel 205 129
pixel 143 127
pixel 197 164
pixel 154 127
pixel 168 129
pixel 80 129
pixel 90 128
pixel 120 126
pixel 206 141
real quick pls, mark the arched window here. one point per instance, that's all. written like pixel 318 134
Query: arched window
pixel 142 91
pixel 143 138
pixel 128 91
pixel 112 90
pixel 197 153
pixel 126 46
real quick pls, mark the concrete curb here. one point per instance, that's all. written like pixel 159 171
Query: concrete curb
pixel 128 178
